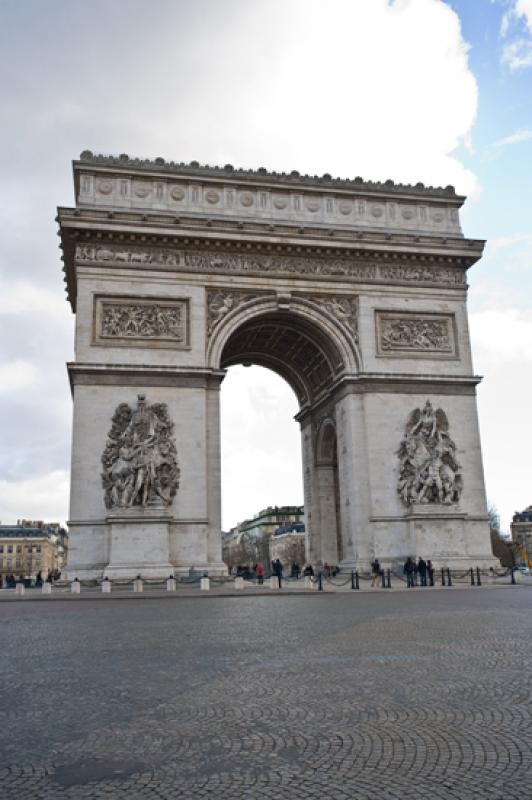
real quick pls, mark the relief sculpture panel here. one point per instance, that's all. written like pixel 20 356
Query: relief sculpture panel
pixel 410 334
pixel 121 321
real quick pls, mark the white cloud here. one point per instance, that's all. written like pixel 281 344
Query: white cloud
pixel 516 31
pixel 502 352
pixel 514 138
pixel 41 497
pixel 17 375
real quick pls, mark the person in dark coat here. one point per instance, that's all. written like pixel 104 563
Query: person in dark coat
pixel 422 571
pixel 308 572
pixel 295 571
pixel 375 572
pixel 430 572
pixel 409 570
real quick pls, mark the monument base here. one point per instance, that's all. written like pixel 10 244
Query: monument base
pixel 139 545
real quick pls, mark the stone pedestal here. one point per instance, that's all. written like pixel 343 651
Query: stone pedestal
pixel 170 585
pixel 46 588
pixel 239 583
pixel 139 539
pixel 75 587
pixel 20 589
pixel 205 584
pixel 106 586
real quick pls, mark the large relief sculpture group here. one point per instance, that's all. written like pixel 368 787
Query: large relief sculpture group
pixel 140 458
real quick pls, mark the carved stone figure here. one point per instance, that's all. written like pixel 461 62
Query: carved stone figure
pixel 344 309
pixel 219 304
pixel 142 320
pixel 415 334
pixel 140 457
pixel 429 471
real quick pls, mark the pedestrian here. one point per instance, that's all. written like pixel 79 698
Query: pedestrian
pixel 409 570
pixel 295 571
pixel 422 571
pixel 308 572
pixel 430 572
pixel 39 578
pixel 278 570
pixel 259 572
pixel 375 572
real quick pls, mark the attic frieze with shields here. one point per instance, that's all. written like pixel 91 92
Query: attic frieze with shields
pixel 127 183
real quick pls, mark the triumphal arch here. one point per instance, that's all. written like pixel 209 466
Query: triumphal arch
pixel 354 292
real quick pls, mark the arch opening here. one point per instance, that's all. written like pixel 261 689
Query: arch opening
pixel 287 343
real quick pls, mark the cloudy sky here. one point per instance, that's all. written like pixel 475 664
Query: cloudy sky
pixel 414 90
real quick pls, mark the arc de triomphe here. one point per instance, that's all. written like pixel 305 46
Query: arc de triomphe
pixel 354 292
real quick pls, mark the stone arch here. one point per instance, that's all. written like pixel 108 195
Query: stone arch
pixel 303 343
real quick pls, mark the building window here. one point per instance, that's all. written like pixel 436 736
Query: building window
pixel 19 548
pixel 10 548
pixel 1 548
pixel 9 563
pixel 39 548
pixel 18 562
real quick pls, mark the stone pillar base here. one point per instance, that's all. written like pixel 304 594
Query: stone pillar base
pixel 139 545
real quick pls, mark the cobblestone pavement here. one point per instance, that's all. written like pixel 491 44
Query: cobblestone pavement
pixel 391 696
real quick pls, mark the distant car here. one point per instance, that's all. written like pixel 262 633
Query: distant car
pixel 523 568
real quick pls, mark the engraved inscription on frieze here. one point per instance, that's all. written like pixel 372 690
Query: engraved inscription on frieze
pixel 140 457
pixel 142 322
pixel 428 469
pixel 415 334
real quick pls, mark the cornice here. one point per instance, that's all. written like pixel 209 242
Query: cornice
pixel 124 163
pixel 96 374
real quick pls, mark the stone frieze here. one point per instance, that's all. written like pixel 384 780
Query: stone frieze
pixel 408 333
pixel 131 320
pixel 260 265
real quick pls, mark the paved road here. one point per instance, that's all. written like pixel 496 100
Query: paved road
pixel 393 696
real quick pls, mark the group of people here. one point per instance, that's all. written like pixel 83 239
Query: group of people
pixel 11 580
pixel 414 570
pixel 258 571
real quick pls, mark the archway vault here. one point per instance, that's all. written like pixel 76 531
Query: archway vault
pixel 304 345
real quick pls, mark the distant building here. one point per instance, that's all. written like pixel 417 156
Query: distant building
pixel 250 541
pixel 30 547
pixel 288 545
pixel 521 528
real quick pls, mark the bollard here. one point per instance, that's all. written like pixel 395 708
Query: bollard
pixel 205 583
pixel 239 583
pixel 274 583
pixel 388 579
pixel 75 586
pixel 513 576
pixel 308 582
pixel 320 583
pixel 138 585
pixel 472 576
pixel 442 576
pixel 170 584
pixel 479 582
pixel 20 588
pixel 106 585
pixel 46 588
pixel 383 579
pixel 352 579
pixel 357 583
pixel 449 581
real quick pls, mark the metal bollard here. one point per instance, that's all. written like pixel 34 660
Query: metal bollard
pixel 479 582
pixel 75 586
pixel 383 579
pixel 472 576
pixel 388 579
pixel 442 576
pixel 513 576
pixel 239 582
pixel 46 588
pixel 352 579
pixel 170 584
pixel 106 585
pixel 205 584
pixel 20 588
pixel 449 581
pixel 357 582
pixel 320 583
pixel 138 585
